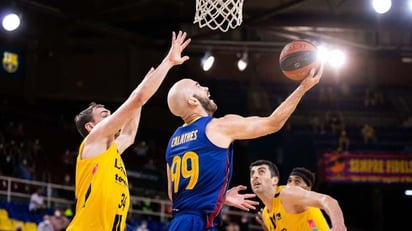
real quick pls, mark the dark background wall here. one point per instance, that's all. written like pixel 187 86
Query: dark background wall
pixel 64 69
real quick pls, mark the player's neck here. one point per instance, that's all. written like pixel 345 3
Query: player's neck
pixel 267 198
pixel 191 118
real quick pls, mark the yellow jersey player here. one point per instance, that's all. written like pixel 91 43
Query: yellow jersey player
pixel 101 186
pixel 292 207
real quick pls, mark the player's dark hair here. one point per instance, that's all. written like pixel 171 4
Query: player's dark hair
pixel 84 117
pixel 306 175
pixel 274 171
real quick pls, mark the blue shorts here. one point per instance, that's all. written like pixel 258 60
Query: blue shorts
pixel 189 222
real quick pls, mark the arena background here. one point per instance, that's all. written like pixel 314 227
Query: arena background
pixel 74 52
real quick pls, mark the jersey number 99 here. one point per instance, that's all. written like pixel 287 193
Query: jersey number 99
pixel 186 166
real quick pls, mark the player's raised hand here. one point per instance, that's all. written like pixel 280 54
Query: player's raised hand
pixel 313 78
pixel 179 43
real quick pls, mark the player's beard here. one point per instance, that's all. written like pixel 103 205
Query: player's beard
pixel 207 104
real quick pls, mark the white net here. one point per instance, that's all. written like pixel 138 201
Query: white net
pixel 219 14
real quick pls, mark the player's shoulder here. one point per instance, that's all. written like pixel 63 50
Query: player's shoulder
pixel 288 191
pixel 226 119
pixel 220 123
pixel 218 131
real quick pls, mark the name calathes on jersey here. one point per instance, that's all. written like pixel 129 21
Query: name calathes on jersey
pixel 185 137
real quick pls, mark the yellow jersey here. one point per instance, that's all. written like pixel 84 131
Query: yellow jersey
pixel 278 219
pixel 102 192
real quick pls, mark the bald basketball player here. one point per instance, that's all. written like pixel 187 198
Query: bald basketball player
pixel 199 154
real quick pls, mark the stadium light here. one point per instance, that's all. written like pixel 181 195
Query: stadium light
pixel 323 53
pixel 382 6
pixel 207 61
pixel 243 61
pixel 11 21
pixel 337 58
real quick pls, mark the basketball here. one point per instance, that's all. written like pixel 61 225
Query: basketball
pixel 297 58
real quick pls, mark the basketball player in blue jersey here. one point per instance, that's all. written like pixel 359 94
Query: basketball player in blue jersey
pixel 199 154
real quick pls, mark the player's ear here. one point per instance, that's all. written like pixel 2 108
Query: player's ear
pixel 89 126
pixel 192 101
pixel 275 180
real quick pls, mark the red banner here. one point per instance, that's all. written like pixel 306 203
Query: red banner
pixel 368 168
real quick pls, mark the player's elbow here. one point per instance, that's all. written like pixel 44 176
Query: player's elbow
pixel 274 125
pixel 265 130
pixel 329 201
pixel 273 128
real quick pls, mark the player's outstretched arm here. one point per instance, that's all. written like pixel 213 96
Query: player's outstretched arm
pixel 174 57
pixel 283 112
pixel 235 127
pixel 131 107
pixel 331 206
pixel 128 132
pixel 295 197
pixel 150 84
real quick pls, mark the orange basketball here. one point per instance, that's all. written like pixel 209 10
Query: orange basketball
pixel 297 58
